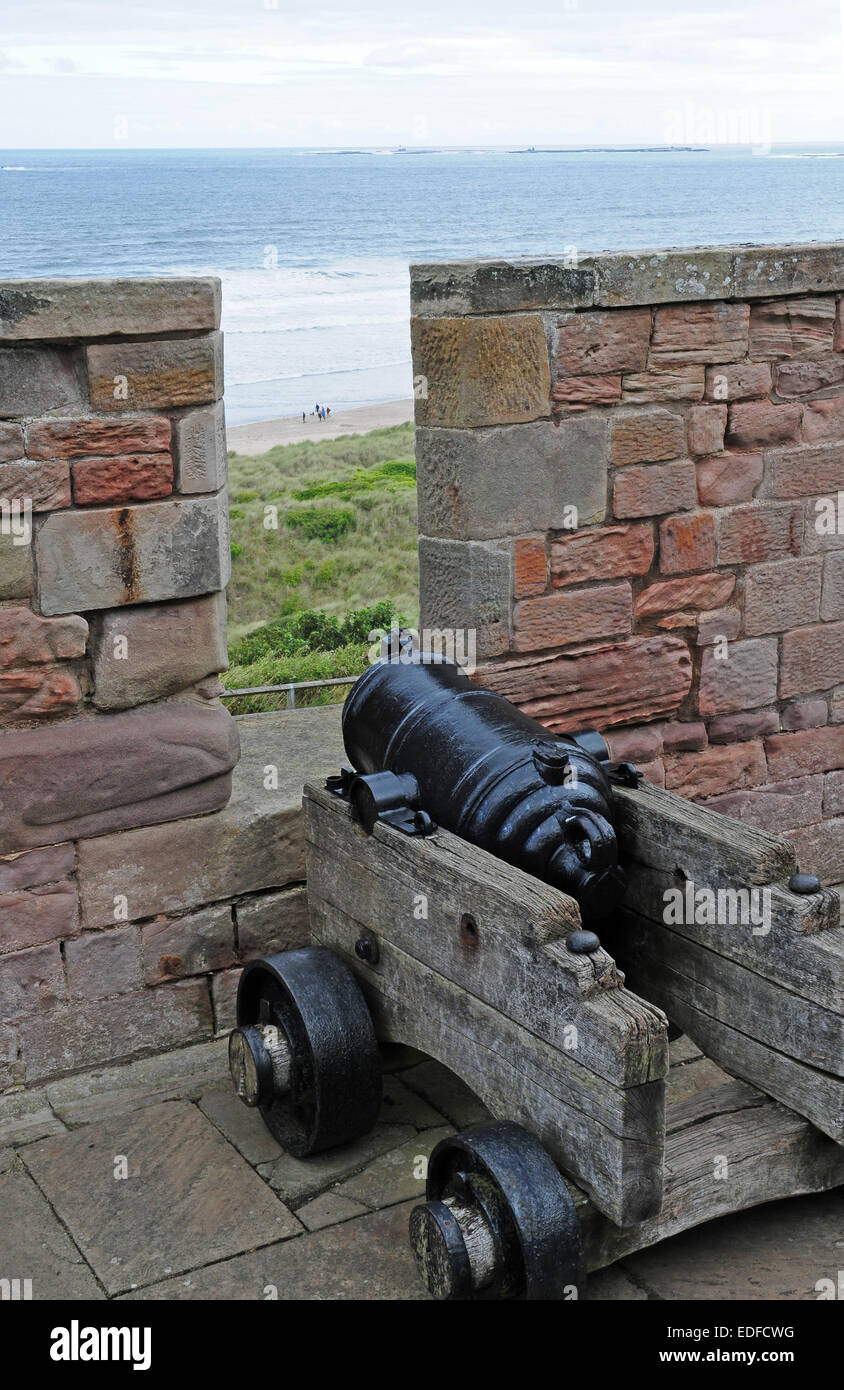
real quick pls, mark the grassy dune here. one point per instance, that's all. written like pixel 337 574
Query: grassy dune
pixel 344 539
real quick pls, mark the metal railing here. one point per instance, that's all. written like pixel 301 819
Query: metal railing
pixel 288 689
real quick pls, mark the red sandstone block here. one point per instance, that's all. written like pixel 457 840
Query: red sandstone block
pixel 530 566
pixel 750 535
pixel 70 1038
pixel 838 333
pixel 833 796
pixel 46 485
pixel 707 424
pixel 805 714
pixel 823 420
pixel 104 963
pixel 789 327
pixel 635 745
pixel 655 489
pixel 706 332
pixel 820 849
pixel 778 807
pixel 27 639
pixel 718 768
pixel 641 679
pixel 687 543
pixel 64 439
pixel 562 619
pixel 11 441
pixel 675 595
pixel 646 436
pixel 836 707
pixel 832 600
pixel 672 384
pixel 812 659
pixel 683 737
pixel 35 867
pixel 31 981
pixel 653 772
pixel 782 595
pixel 720 625
pixel 738 381
pixel 37 692
pixel 40 915
pixel 804 471
pixel 582 391
pixel 740 728
pixel 744 676
pixel 133 478
pixel 803 378
pixel 805 752
pixel 602 552
pixel 672 622
pixel 728 478
pixel 600 341
pixel 758 424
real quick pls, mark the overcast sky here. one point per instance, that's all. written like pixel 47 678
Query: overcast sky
pixel 103 73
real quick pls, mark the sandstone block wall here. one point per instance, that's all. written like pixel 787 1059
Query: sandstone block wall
pixel 120 851
pixel 631 484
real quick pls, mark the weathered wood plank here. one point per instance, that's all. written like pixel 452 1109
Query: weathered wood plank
pixel 769 1151
pixel 809 965
pixel 610 1139
pixel 577 1003
pixel 725 990
pixel 721 1032
pixel 667 832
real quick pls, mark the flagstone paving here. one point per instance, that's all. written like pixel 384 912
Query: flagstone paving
pixel 151 1181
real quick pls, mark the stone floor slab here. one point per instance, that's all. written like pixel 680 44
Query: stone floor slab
pixel 95 1095
pixel 242 1126
pixel 446 1093
pixel 34 1246
pixel 296 1179
pixel 189 1197
pixel 367 1259
pixel 26 1116
pixel 779 1251
pixel 402 1106
pixel 395 1176
pixel 328 1210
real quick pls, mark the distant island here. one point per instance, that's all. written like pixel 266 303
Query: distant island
pixel 618 149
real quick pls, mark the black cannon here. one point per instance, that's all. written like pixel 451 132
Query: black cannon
pixel 430 748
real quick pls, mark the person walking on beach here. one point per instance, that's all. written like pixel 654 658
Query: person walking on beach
pixel 327 410
pixel 303 417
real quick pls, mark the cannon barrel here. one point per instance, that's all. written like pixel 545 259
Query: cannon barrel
pixel 421 735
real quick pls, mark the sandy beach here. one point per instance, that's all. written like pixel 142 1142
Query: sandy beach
pixel 266 434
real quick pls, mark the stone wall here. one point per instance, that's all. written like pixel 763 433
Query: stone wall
pixel 130 876
pixel 631 484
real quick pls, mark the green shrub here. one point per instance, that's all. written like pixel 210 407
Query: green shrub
pixel 398 473
pixel 308 632
pixel 322 523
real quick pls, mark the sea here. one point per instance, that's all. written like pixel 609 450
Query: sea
pixel 313 246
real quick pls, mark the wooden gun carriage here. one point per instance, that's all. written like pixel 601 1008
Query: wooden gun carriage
pixel 596 1152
